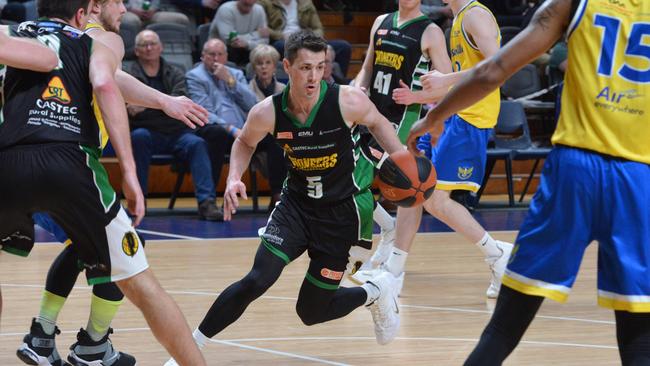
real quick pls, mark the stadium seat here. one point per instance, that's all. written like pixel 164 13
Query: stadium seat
pixel 177 43
pixel 508 33
pixel 512 141
pixel 524 82
pixel 128 33
pixel 203 32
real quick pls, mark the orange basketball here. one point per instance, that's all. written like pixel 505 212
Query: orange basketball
pixel 407 180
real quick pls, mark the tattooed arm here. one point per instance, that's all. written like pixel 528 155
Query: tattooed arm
pixel 547 26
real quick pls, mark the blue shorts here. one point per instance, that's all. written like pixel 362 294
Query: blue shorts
pixel 585 196
pixel 45 221
pixel 460 155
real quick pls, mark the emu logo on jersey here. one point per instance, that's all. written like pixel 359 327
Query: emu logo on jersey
pixel 465 173
pixel 130 244
pixel 55 90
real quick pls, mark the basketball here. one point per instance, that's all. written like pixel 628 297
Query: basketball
pixel 406 180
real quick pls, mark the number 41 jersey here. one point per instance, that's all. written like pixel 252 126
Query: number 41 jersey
pixel 398 56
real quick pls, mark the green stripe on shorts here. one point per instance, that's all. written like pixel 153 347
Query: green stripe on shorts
pixel 365 203
pixel 321 284
pixel 100 177
pixel 276 251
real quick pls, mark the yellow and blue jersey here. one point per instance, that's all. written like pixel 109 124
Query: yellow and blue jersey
pixel 465 55
pixel 606 88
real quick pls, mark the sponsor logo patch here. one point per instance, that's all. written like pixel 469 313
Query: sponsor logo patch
pixel 332 275
pixel 130 244
pixel 465 173
pixel 288 135
pixel 55 90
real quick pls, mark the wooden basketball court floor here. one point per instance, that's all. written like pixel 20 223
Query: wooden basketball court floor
pixel 443 310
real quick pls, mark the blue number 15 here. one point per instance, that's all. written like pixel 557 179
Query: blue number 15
pixel 635 48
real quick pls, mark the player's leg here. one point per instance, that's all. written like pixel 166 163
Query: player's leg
pixel 163 316
pixel 460 158
pixel 283 240
pixel 87 209
pixel 233 301
pixel 633 337
pixel 548 250
pixel 623 256
pixel 512 315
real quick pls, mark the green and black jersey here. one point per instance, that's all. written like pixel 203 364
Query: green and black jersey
pixel 398 56
pixel 50 107
pixel 323 154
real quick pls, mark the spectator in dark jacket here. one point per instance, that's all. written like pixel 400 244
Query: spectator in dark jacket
pixel 153 132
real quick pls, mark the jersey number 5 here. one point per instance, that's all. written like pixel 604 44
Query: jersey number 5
pixel 382 82
pixel 636 47
pixel 314 187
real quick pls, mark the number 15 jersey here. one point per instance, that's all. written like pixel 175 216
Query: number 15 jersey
pixel 398 56
pixel 606 94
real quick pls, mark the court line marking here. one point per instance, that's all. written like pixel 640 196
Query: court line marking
pixel 234 342
pixel 279 353
pixel 406 306
pixel 219 239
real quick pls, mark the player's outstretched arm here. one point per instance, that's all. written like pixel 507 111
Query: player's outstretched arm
pixel 362 80
pixel 180 108
pixel 137 93
pixel 260 121
pixel 24 53
pixel 547 26
pixel 111 103
pixel 357 108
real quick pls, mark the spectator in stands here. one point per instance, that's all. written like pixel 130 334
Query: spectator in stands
pixel 559 56
pixel 264 59
pixel 153 132
pixel 332 73
pixel 242 26
pixel 143 12
pixel 224 92
pixel 288 16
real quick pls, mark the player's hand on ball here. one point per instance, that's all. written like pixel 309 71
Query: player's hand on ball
pixel 230 200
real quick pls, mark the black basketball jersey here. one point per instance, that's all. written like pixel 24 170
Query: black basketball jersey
pixel 398 56
pixel 323 154
pixel 55 106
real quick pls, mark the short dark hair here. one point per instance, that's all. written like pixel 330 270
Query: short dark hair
pixel 303 39
pixel 61 9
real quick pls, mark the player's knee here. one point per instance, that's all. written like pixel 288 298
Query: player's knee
pixel 254 284
pixel 307 315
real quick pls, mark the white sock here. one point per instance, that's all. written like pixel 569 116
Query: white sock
pixel 383 218
pixel 373 292
pixel 47 325
pixel 200 338
pixel 396 261
pixel 488 246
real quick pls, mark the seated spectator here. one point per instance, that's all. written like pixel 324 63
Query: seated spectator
pixel 142 12
pixel 332 73
pixel 559 56
pixel 242 26
pixel 224 92
pixel 153 132
pixel 288 16
pixel 264 59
